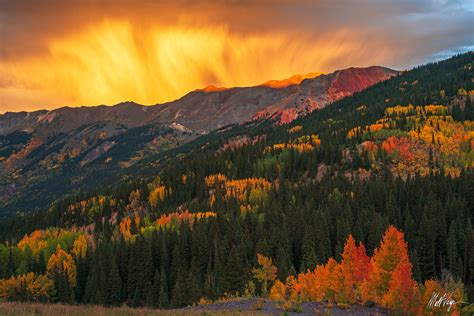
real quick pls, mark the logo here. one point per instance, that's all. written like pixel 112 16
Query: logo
pixel 438 301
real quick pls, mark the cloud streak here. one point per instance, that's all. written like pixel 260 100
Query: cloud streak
pixel 57 53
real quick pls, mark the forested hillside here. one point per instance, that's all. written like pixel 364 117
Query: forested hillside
pixel 45 155
pixel 370 199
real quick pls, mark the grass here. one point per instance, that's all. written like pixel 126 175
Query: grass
pixel 30 309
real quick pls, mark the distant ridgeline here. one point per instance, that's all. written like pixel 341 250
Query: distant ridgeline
pixel 393 161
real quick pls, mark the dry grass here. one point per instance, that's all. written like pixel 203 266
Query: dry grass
pixel 30 309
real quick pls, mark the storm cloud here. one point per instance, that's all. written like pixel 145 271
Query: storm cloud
pixel 57 53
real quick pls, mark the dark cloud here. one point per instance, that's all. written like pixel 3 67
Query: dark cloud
pixel 428 26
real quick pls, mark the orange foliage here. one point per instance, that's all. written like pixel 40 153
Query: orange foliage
pixel 386 278
pixel 355 267
pixel 433 141
pixel 376 127
pixel 178 217
pixel 402 291
pixel 353 132
pixel 124 228
pixel 400 146
pixel 295 129
pixel 278 291
pixel 392 253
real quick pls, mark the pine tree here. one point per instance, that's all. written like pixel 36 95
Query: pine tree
pixel 114 285
pixel 153 298
pixel 469 253
pixel 452 249
pixel 469 109
pixel 193 288
pixel 180 291
pixel 426 249
pixel 92 285
pixel 140 271
pixel 309 259
pixel 62 287
pixel 81 278
pixel 416 265
pixel 163 293
pixel 236 275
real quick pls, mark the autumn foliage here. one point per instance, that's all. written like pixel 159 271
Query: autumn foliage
pixel 305 143
pixel 385 278
pixel 27 287
pixel 175 218
pixel 418 140
pixel 248 192
pixel 62 262
pixel 265 273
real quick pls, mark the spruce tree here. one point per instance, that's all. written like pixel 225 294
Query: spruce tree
pixel 193 288
pixel 62 287
pixel 426 248
pixel 92 286
pixel 180 291
pixel 114 285
pixel 153 298
pixel 236 272
pixel 163 294
pixel 452 250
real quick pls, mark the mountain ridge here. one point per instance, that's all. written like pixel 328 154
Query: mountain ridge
pixel 37 147
pixel 156 108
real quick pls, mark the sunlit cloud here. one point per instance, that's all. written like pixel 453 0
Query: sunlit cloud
pixel 70 55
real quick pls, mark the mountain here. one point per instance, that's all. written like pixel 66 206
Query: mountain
pixel 45 154
pixel 301 213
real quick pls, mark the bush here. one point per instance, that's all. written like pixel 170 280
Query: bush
pixel 293 306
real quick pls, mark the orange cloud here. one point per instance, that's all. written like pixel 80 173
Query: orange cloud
pixel 87 53
pixel 113 61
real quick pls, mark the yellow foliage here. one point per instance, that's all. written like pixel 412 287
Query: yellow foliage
pixel 429 140
pixel 267 272
pixel 79 248
pixel 244 190
pixel 157 195
pixel 35 288
pixel 304 143
pixel 35 241
pixel 399 109
pixel 62 262
pixel 215 179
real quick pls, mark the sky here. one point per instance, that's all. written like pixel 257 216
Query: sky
pixel 57 53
